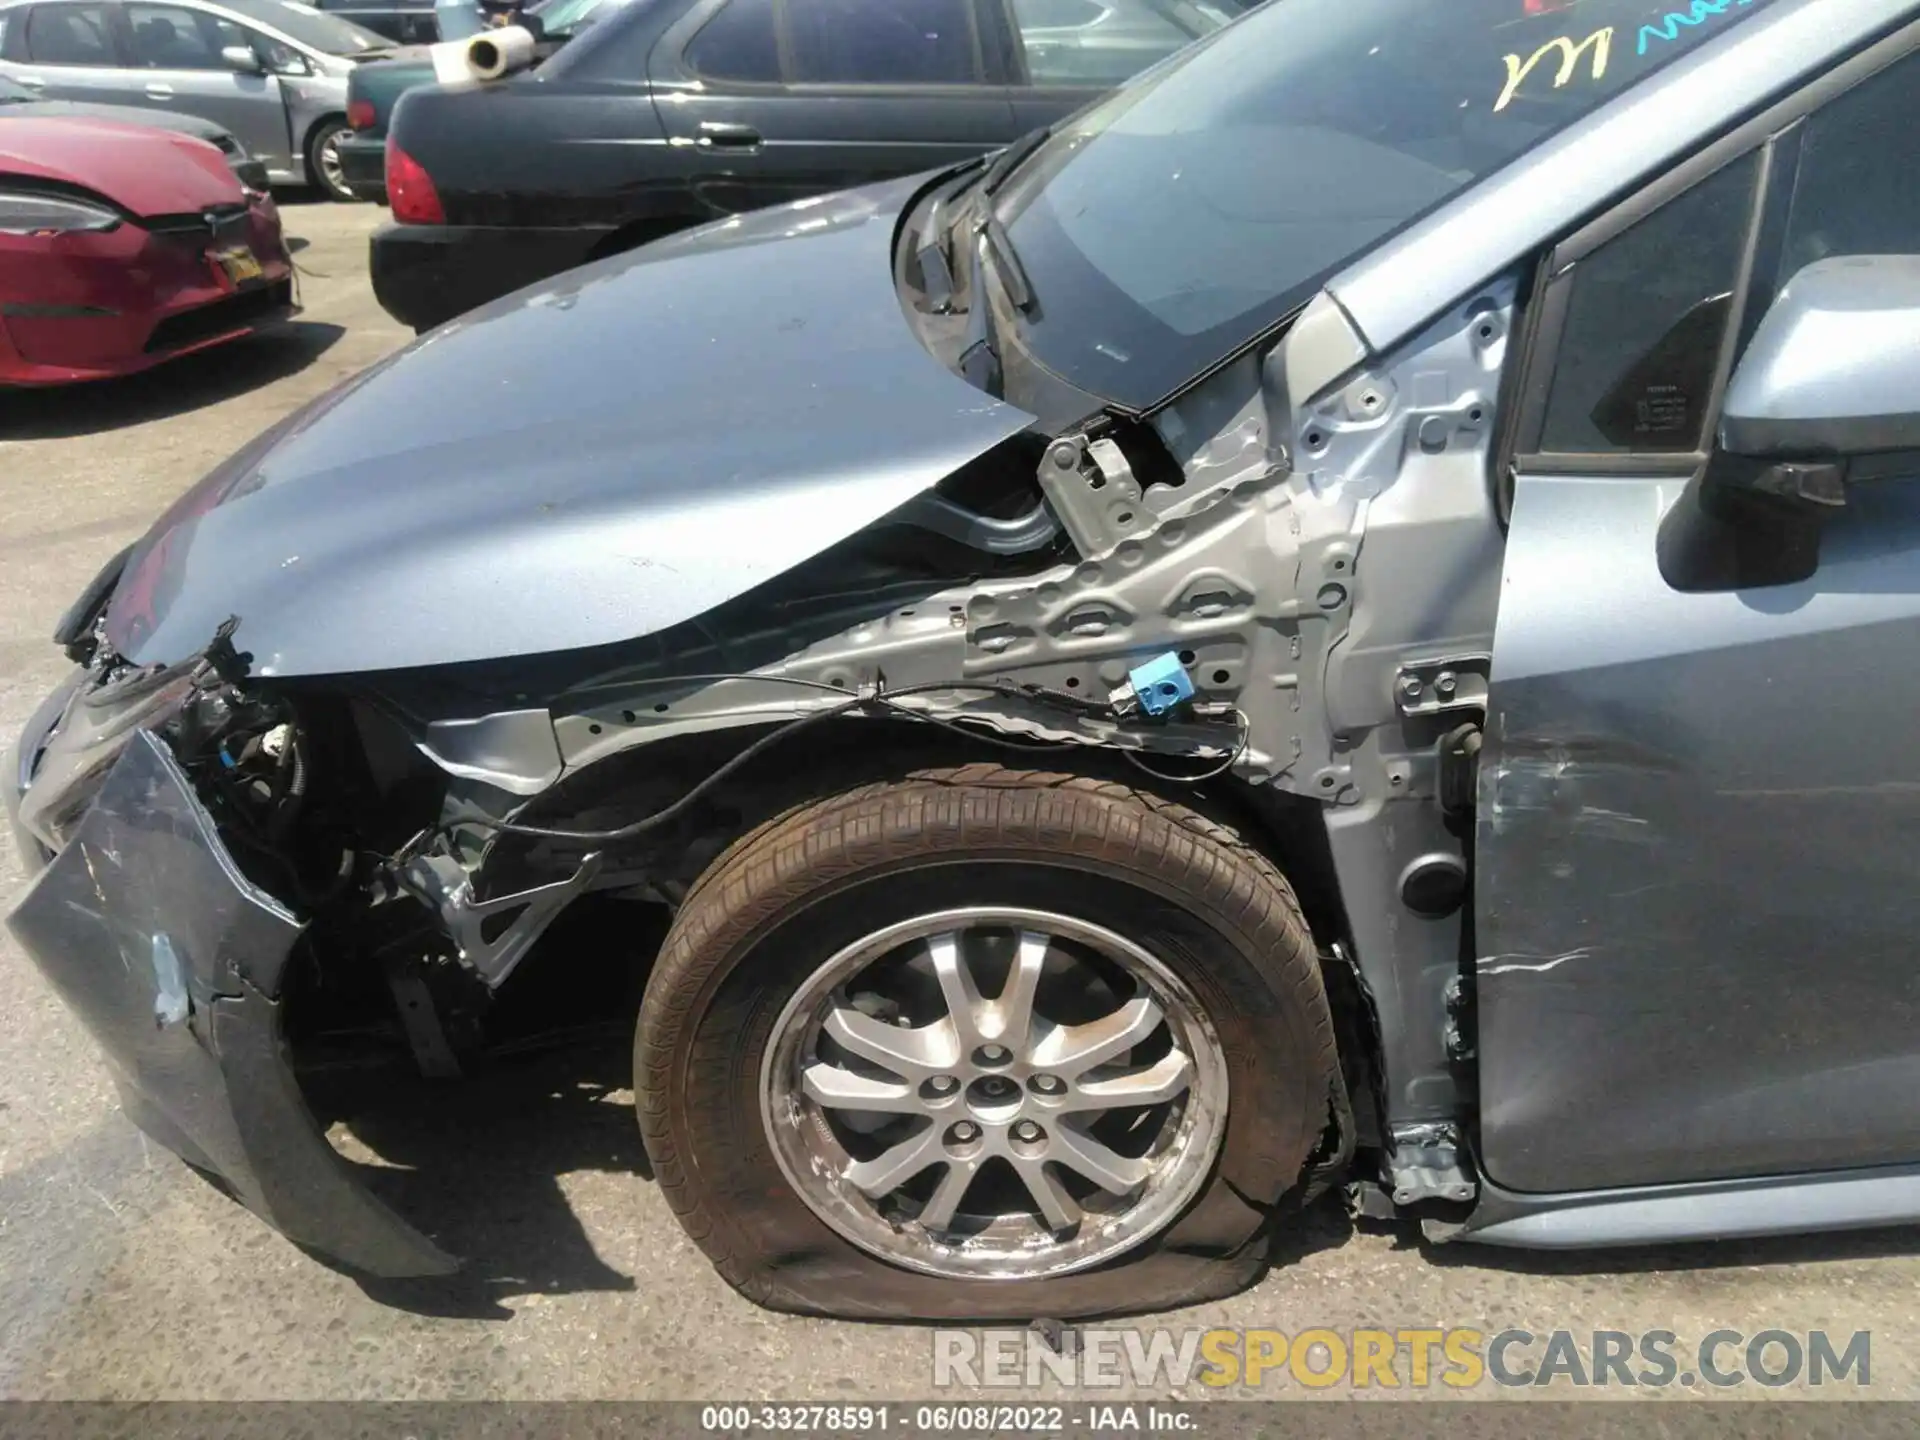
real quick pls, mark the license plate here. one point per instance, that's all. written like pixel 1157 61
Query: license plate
pixel 239 264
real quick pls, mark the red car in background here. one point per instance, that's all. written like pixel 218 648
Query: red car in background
pixel 123 246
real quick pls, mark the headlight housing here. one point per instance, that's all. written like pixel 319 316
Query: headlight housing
pixel 83 747
pixel 23 212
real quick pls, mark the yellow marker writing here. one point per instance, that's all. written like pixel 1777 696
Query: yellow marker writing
pixel 1600 42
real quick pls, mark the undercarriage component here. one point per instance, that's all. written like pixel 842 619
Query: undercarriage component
pixel 1427 1162
pixel 442 883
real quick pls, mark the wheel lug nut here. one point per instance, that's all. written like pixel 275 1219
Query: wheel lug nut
pixel 964 1133
pixel 994 1055
pixel 1048 1084
pixel 942 1085
pixel 1026 1131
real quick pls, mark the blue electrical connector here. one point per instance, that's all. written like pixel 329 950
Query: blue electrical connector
pixel 1156 686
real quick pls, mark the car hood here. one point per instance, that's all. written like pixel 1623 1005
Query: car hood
pixel 586 461
pixel 145 170
pixel 119 114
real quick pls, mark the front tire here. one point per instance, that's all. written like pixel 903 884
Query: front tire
pixel 323 158
pixel 985 1044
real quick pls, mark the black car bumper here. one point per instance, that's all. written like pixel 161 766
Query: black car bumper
pixel 363 165
pixel 176 964
pixel 424 275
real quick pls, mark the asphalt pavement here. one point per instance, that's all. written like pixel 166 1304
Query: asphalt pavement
pixel 125 1276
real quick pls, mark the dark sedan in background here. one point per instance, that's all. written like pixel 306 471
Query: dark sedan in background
pixel 675 112
pixel 373 90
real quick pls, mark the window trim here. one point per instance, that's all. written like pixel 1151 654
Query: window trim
pixel 974 87
pixel 109 11
pixel 684 52
pixel 203 18
pixel 1774 135
pixel 787 84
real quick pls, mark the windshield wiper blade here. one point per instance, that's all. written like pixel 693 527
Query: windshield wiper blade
pixel 934 254
pixel 998 251
pixel 980 349
pixel 1009 159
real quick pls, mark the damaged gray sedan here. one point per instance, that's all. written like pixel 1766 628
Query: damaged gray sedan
pixel 1338 619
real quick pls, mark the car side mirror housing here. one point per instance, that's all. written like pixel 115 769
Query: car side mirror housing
pixel 1831 377
pixel 241 58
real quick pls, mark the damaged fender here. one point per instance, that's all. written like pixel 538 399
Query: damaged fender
pixel 175 963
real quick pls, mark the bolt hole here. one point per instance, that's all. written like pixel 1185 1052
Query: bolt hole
pixel 1486 331
pixel 1339 564
pixel 628 716
pixel 1073 682
pixel 1220 677
pixel 1125 517
pixel 1186 657
pixel 838 683
pixel 1097 482
pixel 1326 782
pixel 593 729
pixel 905 613
pixel 1315 439
pixel 661 708
pixel 1475 414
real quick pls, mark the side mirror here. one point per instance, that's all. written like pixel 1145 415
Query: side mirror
pixel 1832 377
pixel 241 58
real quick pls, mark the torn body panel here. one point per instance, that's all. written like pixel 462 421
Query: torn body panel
pixel 176 962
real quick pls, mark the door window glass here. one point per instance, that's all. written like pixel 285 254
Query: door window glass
pixel 1855 192
pixel 881 42
pixel 69 35
pixel 1649 310
pixel 1102 42
pixel 168 37
pixel 737 44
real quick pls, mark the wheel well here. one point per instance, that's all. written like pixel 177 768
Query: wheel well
pixel 843 754
pixel 306 140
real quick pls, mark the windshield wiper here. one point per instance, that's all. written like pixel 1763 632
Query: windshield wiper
pixel 980 350
pixel 1008 160
pixel 998 252
pixel 934 256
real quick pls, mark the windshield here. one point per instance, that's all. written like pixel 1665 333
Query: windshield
pixel 1200 204
pixel 328 34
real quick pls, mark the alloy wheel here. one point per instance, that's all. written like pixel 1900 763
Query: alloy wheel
pixel 994 1093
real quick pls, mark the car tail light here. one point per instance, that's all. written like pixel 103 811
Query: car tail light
pixel 360 114
pixel 410 192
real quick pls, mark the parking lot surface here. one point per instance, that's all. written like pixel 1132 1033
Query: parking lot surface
pixel 126 1276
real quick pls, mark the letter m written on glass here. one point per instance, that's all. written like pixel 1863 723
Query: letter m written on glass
pixel 1599 44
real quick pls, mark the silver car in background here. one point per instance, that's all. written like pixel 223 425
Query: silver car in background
pixel 273 72
pixel 19 103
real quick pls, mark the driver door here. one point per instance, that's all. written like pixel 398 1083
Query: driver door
pixel 1698 832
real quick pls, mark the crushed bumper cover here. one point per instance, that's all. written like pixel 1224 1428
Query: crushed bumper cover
pixel 175 962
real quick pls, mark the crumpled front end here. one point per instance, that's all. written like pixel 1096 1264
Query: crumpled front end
pixel 177 963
